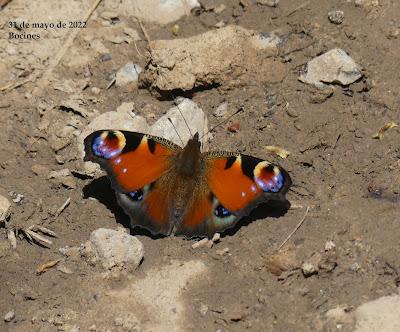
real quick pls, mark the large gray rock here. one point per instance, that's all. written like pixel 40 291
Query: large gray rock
pixel 334 66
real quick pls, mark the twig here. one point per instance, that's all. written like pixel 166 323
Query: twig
pixel 14 85
pixel 3 3
pixel 144 31
pixel 305 4
pixel 295 229
pixel 45 78
pixel 62 207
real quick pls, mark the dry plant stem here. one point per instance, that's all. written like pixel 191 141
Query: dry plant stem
pixel 45 78
pixel 14 85
pixel 305 4
pixel 63 207
pixel 295 229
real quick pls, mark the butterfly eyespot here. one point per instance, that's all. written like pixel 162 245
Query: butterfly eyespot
pixel 268 177
pixel 108 144
pixel 136 195
pixel 221 212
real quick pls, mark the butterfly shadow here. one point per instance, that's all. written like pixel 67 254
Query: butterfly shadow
pixel 269 209
pixel 100 189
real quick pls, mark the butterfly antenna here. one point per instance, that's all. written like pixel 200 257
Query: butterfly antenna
pixel 202 131
pixel 184 119
pixel 176 131
pixel 223 121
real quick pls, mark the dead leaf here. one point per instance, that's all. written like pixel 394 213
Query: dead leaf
pixel 46 266
pixel 278 151
pixel 379 134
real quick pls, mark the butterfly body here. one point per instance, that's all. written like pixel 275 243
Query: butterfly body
pixel 172 190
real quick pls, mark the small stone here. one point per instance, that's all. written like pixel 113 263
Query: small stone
pixel 222 252
pixel 336 16
pixel 9 316
pixel 115 249
pixel 366 3
pixel 95 90
pixel 269 3
pixel 203 309
pixel 334 66
pixel 309 269
pixel 329 245
pixel 221 110
pixel 5 208
pixel 354 267
pixel 17 198
pixel 128 74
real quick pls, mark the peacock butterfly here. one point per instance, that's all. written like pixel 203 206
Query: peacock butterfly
pixel 172 190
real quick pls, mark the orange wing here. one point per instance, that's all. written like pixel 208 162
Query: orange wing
pixel 132 160
pixel 135 162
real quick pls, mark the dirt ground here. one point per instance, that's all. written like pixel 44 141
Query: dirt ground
pixel 349 181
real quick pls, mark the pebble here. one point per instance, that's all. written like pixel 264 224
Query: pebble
pixel 203 309
pixel 234 127
pixel 221 110
pixel 309 269
pixel 9 316
pixel 269 3
pixel 113 248
pixel 329 245
pixel 336 16
pixel 5 208
pixel 127 74
pixel 334 66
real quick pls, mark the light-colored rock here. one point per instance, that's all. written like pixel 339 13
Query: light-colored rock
pixel 309 269
pixel 157 11
pixel 225 56
pixel 336 16
pixel 381 315
pixel 221 110
pixel 115 249
pixel 127 74
pixel 270 3
pixel 367 3
pixel 185 114
pixel 9 316
pixel 63 177
pixel 329 245
pixel 334 66
pixel 5 208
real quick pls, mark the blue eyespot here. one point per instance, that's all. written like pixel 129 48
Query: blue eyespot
pixel 273 185
pixel 136 195
pixel 221 212
pixel 106 147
